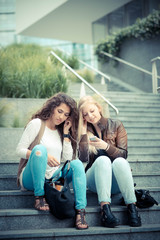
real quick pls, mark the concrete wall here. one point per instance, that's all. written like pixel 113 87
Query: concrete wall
pixel 138 53
pixel 20 109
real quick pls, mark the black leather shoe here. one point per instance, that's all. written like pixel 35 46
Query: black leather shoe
pixel 107 218
pixel 133 216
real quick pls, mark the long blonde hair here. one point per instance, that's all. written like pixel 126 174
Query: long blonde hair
pixel 82 103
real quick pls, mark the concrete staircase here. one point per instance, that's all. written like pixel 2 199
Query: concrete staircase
pixel 140 114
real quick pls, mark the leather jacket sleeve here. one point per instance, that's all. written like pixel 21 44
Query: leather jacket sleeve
pixel 118 142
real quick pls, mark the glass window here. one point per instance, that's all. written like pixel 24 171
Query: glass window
pixel 7 38
pixel 134 11
pixel 7 6
pixel 116 20
pixel 7 22
pixel 99 29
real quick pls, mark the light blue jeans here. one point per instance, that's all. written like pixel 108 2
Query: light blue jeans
pixel 34 175
pixel 106 178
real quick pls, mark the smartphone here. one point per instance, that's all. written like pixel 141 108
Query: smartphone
pixel 93 138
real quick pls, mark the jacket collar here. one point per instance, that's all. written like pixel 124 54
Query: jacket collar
pixel 101 124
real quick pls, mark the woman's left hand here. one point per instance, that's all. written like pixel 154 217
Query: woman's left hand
pixel 99 143
pixel 67 126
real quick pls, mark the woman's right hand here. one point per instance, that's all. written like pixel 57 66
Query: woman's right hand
pixel 52 162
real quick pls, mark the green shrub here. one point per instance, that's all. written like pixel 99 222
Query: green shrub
pixel 25 72
pixel 87 74
pixel 72 60
pixel 16 121
pixel 145 28
pixel 4 109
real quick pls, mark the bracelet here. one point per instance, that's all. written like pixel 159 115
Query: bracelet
pixel 107 147
pixel 66 135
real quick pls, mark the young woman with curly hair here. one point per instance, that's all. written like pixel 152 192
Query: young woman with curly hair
pixel 54 125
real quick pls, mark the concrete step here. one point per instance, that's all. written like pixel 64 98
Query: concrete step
pixel 11 136
pixel 143 149
pixel 145 166
pixel 11 167
pixel 147 179
pixel 144 137
pixel 143 130
pixel 152 179
pixel 140 124
pixel 140 119
pixel 129 115
pixel 133 100
pixel 130 108
pixel 152 164
pixel 144 143
pixel 73 88
pixel 143 157
pixel 147 232
pixel 19 219
pixel 15 199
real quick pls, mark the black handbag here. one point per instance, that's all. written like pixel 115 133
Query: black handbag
pixel 61 203
pixel 144 199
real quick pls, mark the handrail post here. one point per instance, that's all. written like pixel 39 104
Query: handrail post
pixel 154 77
pixel 82 90
pixel 102 81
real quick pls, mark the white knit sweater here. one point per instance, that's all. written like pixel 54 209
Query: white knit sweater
pixel 50 139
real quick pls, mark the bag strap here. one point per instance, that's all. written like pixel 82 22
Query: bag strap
pixel 68 161
pixel 39 135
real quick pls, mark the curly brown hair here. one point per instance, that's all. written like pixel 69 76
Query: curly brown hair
pixel 48 108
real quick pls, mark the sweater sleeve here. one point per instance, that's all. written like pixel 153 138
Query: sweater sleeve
pixel 28 137
pixel 67 153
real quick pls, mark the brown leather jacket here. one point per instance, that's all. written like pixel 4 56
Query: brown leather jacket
pixel 114 133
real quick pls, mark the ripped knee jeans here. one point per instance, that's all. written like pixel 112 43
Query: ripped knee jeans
pixel 34 173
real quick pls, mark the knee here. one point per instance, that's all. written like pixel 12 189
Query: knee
pixel 77 164
pixel 120 163
pixel 39 151
pixel 103 162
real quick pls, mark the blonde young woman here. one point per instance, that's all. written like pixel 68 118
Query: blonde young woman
pixel 103 145
pixel 41 162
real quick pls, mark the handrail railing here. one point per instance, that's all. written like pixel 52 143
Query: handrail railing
pixel 136 67
pixel 125 62
pixel 84 81
pixel 91 67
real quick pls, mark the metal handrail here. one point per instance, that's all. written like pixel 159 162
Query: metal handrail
pixel 91 67
pixel 125 62
pixel 96 70
pixel 84 81
pixel 154 78
pixel 157 58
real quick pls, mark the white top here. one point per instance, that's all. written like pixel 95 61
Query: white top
pixel 50 139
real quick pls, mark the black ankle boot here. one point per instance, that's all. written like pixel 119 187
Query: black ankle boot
pixel 107 218
pixel 133 216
